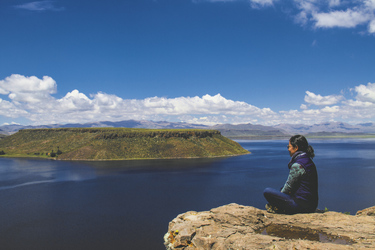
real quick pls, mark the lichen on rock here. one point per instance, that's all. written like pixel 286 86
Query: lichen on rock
pixel 235 226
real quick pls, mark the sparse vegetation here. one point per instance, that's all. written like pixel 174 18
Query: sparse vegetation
pixel 118 143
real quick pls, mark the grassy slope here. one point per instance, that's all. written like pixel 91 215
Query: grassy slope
pixel 119 143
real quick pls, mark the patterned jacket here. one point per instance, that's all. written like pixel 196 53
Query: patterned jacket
pixel 302 182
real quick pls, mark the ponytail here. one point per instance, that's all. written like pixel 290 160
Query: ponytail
pixel 310 152
pixel 302 144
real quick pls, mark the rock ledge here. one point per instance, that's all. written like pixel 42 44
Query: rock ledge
pixel 235 226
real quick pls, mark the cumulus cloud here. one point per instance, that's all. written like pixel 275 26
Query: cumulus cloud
pixel 39 6
pixel 345 19
pixel 32 98
pixel 261 3
pixel 75 101
pixel 254 3
pixel 371 26
pixel 9 109
pixel 366 93
pixel 28 89
pixel 333 3
pixel 319 100
pixel 323 13
pixel 360 109
pixel 358 104
pixel 333 109
pixel 303 106
pixel 336 13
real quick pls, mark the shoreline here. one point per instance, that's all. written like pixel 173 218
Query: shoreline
pixel 129 159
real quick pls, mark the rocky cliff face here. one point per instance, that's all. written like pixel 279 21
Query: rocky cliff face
pixel 235 226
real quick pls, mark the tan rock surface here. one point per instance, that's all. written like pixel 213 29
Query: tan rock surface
pixel 235 226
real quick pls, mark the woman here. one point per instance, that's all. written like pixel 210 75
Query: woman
pixel 300 192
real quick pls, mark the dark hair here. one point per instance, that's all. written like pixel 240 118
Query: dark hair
pixel 302 144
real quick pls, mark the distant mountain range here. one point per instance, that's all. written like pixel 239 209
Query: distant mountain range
pixel 10 129
pixel 337 127
pixel 229 130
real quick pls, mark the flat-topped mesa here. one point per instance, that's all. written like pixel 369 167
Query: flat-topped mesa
pixel 235 226
pixel 119 143
pixel 111 133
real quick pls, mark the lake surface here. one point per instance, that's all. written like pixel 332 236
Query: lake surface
pixel 49 204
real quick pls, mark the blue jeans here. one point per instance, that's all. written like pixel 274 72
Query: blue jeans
pixel 284 202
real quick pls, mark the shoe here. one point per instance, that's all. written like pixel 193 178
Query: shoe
pixel 271 209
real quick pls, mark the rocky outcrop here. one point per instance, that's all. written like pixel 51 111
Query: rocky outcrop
pixel 235 226
pixel 368 211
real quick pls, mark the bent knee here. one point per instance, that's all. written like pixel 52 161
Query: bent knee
pixel 268 191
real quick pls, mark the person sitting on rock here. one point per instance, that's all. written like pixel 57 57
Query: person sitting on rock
pixel 300 192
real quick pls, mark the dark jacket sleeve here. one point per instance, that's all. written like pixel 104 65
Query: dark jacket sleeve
pixel 292 183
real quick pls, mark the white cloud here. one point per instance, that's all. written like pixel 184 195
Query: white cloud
pixel 75 101
pixel 27 89
pixel 39 6
pixel 261 3
pixel 76 107
pixel 34 97
pixel 335 13
pixel 371 26
pixel 311 112
pixel 12 123
pixel 333 109
pixel 9 109
pixel 360 109
pixel 254 3
pixel 333 3
pixel 358 104
pixel 370 4
pixel 305 8
pixel 319 100
pixel 344 19
pixel 323 13
pixel 366 93
pixel 303 106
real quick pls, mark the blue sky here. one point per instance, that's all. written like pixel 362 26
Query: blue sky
pixel 200 61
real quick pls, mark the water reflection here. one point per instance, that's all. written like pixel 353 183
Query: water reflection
pixel 107 167
pixel 16 173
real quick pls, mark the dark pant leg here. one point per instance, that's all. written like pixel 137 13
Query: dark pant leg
pixel 283 202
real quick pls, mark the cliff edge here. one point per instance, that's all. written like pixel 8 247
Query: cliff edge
pixel 235 226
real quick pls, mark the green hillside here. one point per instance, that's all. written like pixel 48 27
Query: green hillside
pixel 118 144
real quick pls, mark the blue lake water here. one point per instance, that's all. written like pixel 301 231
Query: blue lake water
pixel 128 204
